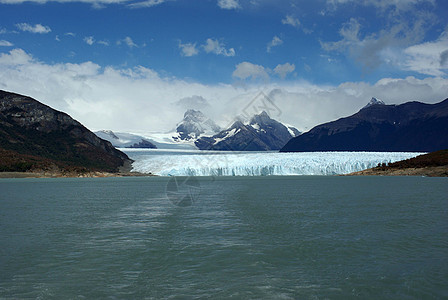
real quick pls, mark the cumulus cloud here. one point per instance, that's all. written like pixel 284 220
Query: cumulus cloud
pixel 104 43
pixel 188 49
pixel 428 58
pixel 284 70
pixel 89 40
pixel 4 43
pixel 373 49
pixel 141 100
pixel 276 41
pixel 228 4
pixel 247 70
pixel 218 48
pixel 305 105
pixel 37 28
pixel 290 20
pixel 128 42
pixel 210 46
pixel 193 102
pixel 15 57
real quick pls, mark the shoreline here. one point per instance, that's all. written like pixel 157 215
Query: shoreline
pixel 441 171
pixel 93 174
pixel 124 171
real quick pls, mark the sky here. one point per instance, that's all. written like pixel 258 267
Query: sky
pixel 137 65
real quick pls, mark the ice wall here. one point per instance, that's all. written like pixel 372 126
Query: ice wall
pixel 262 164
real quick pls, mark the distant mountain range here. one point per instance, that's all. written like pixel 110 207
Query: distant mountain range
pixel 196 130
pixel 412 126
pixel 33 135
pixel 261 133
pixel 125 140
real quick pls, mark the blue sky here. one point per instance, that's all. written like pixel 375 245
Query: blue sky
pixel 222 50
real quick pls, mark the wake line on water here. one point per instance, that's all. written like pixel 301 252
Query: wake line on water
pixel 264 164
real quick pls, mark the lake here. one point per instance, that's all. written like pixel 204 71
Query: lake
pixel 253 237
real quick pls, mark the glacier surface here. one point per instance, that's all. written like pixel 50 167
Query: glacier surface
pixel 216 163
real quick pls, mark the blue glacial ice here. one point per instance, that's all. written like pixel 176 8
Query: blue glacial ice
pixel 262 164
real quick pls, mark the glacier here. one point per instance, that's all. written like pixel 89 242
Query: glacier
pixel 218 163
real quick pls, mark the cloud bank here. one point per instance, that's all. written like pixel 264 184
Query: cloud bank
pixel 141 100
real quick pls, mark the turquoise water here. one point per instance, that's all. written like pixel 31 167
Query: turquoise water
pixel 246 237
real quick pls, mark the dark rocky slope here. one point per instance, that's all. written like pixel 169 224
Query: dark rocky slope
pixel 33 135
pixel 412 126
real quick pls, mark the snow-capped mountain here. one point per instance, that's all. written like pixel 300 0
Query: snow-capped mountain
pixel 193 125
pixel 374 101
pixel 261 133
pixel 157 140
pixel 125 140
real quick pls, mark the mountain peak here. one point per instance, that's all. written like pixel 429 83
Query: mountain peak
pixel 374 101
pixel 192 114
pixel 194 124
pixel 262 117
pixel 110 133
pixel 261 134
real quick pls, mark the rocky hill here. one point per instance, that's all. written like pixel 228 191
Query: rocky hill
pixel 33 135
pixel 412 126
pixel 431 164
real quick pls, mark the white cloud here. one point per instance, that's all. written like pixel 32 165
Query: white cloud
pixel 290 20
pixel 147 3
pixel 398 5
pixel 246 70
pixel 276 41
pixel 188 49
pixel 284 70
pixel 428 58
pixel 37 28
pixel 15 57
pixel 193 102
pixel 4 43
pixel 210 46
pixel 104 42
pixel 128 42
pixel 228 4
pixel 89 40
pixel 95 3
pixel 142 100
pixel 373 49
pixel 305 105
pixel 218 48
